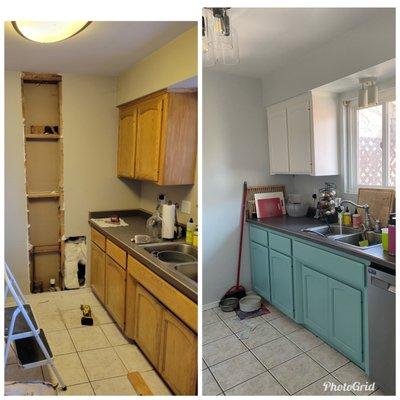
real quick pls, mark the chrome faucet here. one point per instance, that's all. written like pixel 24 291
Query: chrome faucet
pixel 367 223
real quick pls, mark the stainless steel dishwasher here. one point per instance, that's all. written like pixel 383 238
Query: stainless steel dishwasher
pixel 382 328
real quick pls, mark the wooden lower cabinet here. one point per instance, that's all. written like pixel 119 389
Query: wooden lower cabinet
pixel 148 314
pixel 131 286
pixel 178 355
pixel 98 271
pixel 115 291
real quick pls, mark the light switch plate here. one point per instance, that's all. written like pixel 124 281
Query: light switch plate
pixel 186 206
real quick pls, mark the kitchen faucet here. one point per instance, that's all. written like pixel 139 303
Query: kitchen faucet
pixel 367 223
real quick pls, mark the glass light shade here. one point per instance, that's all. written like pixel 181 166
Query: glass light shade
pixel 227 54
pixel 49 31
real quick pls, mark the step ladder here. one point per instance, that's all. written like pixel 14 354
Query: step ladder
pixel 21 328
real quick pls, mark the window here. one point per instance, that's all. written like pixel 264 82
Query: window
pixel 371 145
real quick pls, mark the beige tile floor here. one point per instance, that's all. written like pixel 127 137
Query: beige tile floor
pixel 270 355
pixel 93 360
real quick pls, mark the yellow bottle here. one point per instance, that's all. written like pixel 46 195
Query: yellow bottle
pixel 196 238
pixel 347 217
pixel 190 227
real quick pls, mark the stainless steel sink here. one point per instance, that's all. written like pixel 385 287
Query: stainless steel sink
pixel 181 257
pixel 331 230
pixel 348 235
pixel 374 239
pixel 179 248
pixel 189 270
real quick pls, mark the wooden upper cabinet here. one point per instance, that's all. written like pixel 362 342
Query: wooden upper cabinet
pixel 159 142
pixel 127 142
pixel 148 134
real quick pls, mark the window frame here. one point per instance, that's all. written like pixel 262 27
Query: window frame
pixel 351 124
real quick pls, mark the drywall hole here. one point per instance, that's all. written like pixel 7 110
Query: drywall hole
pixel 75 254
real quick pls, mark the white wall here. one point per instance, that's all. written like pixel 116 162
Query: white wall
pixel 367 45
pixel 235 149
pixel 90 145
pixel 15 217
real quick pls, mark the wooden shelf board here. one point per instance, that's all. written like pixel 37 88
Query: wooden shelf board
pixel 49 248
pixel 41 136
pixel 42 195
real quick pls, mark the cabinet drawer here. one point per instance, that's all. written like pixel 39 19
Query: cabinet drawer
pixel 258 235
pixel 280 243
pixel 335 266
pixel 116 253
pixel 98 238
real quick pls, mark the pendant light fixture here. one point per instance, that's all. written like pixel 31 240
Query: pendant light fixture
pixel 368 93
pixel 220 40
pixel 49 31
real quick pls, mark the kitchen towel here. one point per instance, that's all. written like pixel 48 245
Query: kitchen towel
pixel 106 222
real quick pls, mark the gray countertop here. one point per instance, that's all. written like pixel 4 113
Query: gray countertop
pixel 292 226
pixel 121 236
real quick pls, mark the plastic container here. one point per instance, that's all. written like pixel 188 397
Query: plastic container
pixel 250 303
pixel 296 209
pixel 196 238
pixel 347 217
pixel 190 227
pixel 229 304
pixel 392 234
pixel 356 219
pixel 385 238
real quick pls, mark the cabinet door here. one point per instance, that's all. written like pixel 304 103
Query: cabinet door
pixel 281 275
pixel 148 139
pixel 260 270
pixel 130 297
pixel 115 290
pixel 278 140
pixel 299 134
pixel 98 271
pixel 346 319
pixel 127 143
pixel 178 355
pixel 315 301
pixel 148 317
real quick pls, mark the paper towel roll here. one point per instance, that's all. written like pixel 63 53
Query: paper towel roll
pixel 168 221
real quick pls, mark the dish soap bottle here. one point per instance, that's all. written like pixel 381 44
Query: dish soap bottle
pixel 190 226
pixel 196 238
pixel 356 219
pixel 347 217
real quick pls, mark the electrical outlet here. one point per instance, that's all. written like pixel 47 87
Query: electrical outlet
pixel 186 206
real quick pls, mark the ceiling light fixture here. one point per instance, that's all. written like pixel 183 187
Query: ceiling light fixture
pixel 220 41
pixel 49 31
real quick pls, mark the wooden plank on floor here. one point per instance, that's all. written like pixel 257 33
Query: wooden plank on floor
pixel 139 384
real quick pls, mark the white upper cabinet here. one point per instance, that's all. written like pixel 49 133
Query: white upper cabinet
pixel 302 135
pixel 277 129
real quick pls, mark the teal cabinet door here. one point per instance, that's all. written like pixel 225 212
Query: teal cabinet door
pixel 281 276
pixel 346 319
pixel 315 300
pixel 260 270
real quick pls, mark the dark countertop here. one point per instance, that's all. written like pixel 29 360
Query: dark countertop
pixel 121 236
pixel 292 226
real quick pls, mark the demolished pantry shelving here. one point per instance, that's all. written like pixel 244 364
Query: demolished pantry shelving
pixel 41 99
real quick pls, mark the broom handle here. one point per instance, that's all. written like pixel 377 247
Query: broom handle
pixel 241 232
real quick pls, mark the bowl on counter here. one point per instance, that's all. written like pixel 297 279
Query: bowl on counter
pixel 296 209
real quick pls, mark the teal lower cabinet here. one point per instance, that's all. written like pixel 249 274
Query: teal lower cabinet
pixel 346 318
pixel 260 270
pixel 315 301
pixel 281 277
pixel 319 287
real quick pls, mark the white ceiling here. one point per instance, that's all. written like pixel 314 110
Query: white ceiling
pixel 103 48
pixel 382 72
pixel 272 37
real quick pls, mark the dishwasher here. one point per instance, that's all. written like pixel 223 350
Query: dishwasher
pixel 382 328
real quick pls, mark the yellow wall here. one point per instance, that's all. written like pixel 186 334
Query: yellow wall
pixel 172 63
